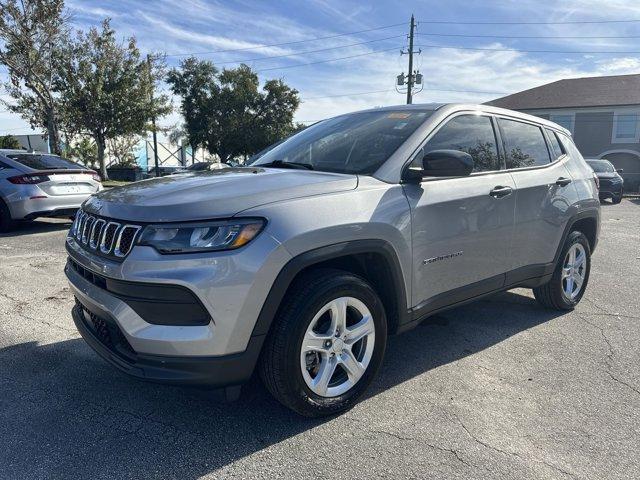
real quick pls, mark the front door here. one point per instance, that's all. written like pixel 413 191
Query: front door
pixel 462 227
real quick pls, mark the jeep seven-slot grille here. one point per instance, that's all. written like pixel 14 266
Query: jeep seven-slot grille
pixel 104 236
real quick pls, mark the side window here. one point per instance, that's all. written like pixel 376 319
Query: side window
pixel 472 134
pixel 524 144
pixel 556 148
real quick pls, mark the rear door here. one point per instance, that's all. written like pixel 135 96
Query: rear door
pixel 544 194
pixel 462 227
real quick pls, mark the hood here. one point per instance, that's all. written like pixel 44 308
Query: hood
pixel 607 175
pixel 212 194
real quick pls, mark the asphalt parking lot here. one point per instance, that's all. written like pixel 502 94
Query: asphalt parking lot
pixel 497 389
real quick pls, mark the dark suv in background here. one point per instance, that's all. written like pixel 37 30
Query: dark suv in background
pixel 609 179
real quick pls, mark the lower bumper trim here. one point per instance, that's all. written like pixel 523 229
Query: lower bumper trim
pixel 216 371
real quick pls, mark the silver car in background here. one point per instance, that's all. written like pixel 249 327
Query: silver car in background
pixel 41 185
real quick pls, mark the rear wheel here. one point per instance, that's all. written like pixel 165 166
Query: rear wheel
pixel 6 223
pixel 569 280
pixel 326 345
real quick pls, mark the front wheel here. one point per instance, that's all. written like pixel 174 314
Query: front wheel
pixel 616 198
pixel 326 345
pixel 569 280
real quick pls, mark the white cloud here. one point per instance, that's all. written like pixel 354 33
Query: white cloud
pixel 622 65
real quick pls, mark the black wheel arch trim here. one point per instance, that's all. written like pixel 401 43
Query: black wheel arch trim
pixel 592 213
pixel 323 254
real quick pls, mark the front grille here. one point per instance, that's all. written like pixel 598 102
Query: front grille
pixel 104 236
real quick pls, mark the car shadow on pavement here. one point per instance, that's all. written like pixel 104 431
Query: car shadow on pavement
pixel 38 226
pixel 65 413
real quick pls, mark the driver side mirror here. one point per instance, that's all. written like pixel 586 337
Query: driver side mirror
pixel 620 170
pixel 441 163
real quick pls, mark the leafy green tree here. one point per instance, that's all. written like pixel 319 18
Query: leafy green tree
pixel 108 88
pixel 84 151
pixel 122 149
pixel 226 111
pixel 31 32
pixel 9 141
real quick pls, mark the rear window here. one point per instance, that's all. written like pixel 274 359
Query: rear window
pixel 524 144
pixel 44 162
pixel 601 166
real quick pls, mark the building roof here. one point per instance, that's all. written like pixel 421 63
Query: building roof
pixel 576 92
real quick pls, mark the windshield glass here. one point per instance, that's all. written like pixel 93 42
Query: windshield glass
pixel 44 162
pixel 601 166
pixel 355 143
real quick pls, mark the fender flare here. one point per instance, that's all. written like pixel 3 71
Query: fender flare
pixel 593 213
pixel 307 259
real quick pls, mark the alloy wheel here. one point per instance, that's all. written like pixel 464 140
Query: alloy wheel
pixel 573 271
pixel 337 347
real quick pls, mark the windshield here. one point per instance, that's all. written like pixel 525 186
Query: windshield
pixel 44 162
pixel 355 143
pixel 601 166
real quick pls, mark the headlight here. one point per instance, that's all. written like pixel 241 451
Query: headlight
pixel 201 236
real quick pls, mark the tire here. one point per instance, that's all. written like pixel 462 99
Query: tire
pixel 554 293
pixel 290 374
pixel 616 199
pixel 6 222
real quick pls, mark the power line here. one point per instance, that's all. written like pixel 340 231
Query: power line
pixel 529 36
pixel 304 99
pixel 285 43
pixel 354 94
pixel 309 51
pixel 326 61
pixel 570 22
pixel 531 51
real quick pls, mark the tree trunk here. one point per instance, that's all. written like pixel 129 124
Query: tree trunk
pixel 52 132
pixel 100 143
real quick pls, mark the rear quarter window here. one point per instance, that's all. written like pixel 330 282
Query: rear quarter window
pixel 556 149
pixel 524 144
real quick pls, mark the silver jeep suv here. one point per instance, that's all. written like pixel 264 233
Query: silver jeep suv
pixel 300 265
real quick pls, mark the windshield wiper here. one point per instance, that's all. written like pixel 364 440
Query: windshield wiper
pixel 283 164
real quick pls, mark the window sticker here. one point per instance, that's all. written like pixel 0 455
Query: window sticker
pixel 398 115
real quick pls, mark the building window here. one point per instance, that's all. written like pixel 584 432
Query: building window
pixel 565 120
pixel 625 128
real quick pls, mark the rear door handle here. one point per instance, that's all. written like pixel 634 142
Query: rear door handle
pixel 499 191
pixel 563 182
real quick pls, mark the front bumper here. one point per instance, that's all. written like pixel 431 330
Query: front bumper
pixel 608 189
pixel 101 333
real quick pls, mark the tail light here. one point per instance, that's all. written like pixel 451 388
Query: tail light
pixel 96 177
pixel 597 180
pixel 28 179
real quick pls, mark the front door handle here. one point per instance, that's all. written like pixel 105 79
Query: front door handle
pixel 563 182
pixel 499 191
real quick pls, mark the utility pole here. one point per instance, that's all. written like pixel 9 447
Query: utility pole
pixel 153 120
pixel 410 71
pixel 412 78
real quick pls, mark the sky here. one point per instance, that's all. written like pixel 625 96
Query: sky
pixel 468 49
